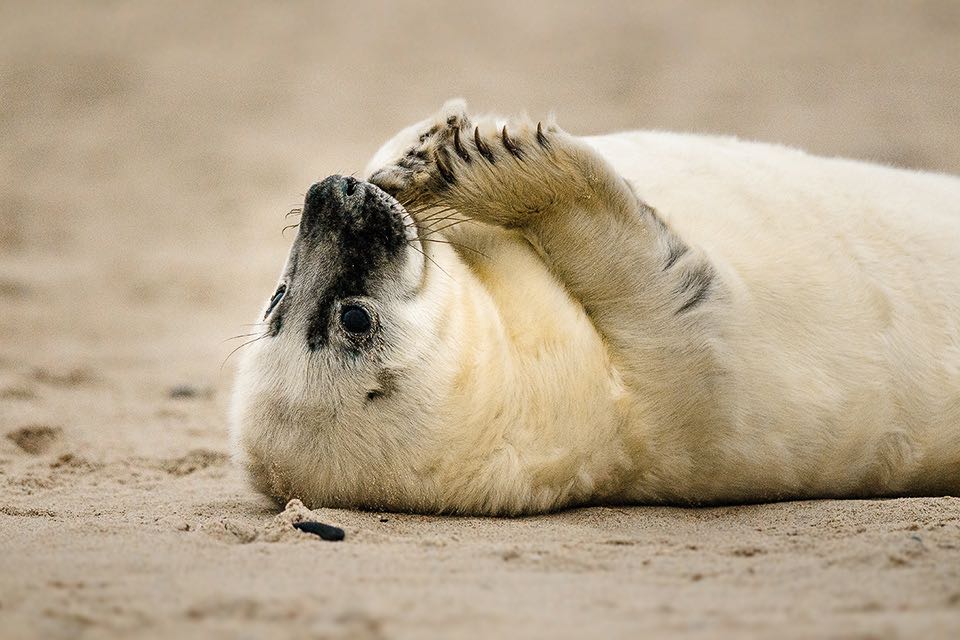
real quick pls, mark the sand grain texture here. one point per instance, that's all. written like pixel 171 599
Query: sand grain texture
pixel 147 156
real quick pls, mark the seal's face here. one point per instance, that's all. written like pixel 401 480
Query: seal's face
pixel 350 263
pixel 332 404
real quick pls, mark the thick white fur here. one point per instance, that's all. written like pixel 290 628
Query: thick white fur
pixel 550 358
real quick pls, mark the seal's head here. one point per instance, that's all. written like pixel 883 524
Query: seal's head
pixel 333 403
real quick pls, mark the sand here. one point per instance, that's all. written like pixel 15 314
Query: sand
pixel 147 156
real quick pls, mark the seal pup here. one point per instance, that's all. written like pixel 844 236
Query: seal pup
pixel 508 319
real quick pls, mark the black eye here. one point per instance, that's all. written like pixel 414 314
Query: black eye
pixel 355 319
pixel 275 299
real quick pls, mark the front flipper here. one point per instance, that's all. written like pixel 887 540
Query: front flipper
pixel 609 248
pixel 499 171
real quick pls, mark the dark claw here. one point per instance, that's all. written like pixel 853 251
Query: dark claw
pixel 458 146
pixel 428 133
pixel 510 144
pixel 482 147
pixel 541 139
pixel 443 167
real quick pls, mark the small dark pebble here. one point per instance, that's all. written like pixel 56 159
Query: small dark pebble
pixel 325 531
pixel 183 391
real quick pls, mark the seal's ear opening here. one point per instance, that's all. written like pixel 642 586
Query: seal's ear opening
pixel 275 300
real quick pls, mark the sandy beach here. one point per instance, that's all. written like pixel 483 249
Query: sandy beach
pixel 148 155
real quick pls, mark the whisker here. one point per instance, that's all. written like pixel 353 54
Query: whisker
pixel 289 226
pixel 242 335
pixel 428 207
pixel 433 220
pixel 440 225
pixel 249 342
pixel 457 244
pixel 427 223
pixel 415 248
pixel 439 229
pixel 434 211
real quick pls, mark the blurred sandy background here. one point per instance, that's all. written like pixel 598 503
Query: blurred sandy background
pixel 148 153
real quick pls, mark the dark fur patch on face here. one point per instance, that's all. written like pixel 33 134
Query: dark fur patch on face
pixel 355 231
pixel 275 315
pixel 387 385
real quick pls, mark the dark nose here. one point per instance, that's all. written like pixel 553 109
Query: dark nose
pixel 333 190
pixel 335 199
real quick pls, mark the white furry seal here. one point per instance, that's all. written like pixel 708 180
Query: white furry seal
pixel 549 321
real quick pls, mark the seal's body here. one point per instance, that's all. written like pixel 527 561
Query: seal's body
pixel 548 320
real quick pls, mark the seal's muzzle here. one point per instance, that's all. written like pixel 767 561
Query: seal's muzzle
pixel 359 213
